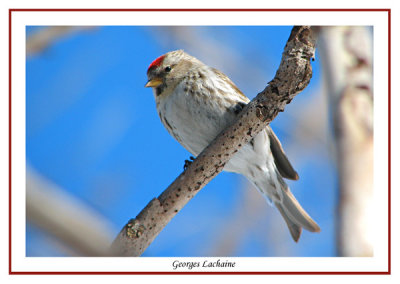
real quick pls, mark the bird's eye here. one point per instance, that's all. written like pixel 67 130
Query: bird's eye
pixel 167 69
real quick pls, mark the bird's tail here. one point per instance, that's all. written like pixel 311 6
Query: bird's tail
pixel 294 215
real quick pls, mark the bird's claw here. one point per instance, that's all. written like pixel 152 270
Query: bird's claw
pixel 188 163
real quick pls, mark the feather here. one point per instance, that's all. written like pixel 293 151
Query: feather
pixel 281 161
pixel 295 230
pixel 295 213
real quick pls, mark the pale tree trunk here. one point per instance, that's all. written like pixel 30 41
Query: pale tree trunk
pixel 346 55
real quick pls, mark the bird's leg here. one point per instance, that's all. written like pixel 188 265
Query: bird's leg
pixel 188 163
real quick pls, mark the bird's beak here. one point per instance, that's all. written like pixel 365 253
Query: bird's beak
pixel 153 83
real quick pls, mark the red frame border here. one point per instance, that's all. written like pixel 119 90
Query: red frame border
pixel 10 11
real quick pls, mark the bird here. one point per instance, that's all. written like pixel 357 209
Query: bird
pixel 195 102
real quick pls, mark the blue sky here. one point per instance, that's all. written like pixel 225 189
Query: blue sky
pixel 92 128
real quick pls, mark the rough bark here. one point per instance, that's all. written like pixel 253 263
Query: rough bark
pixel 292 77
pixel 346 54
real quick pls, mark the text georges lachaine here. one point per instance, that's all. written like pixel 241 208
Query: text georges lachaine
pixel 176 264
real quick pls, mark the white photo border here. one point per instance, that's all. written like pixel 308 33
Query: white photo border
pixel 379 263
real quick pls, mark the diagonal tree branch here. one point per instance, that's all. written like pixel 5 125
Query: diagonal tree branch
pixel 292 77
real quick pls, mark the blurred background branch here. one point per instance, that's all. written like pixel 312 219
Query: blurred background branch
pixel 44 38
pixel 78 228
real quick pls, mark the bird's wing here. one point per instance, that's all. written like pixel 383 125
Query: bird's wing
pixel 236 91
pixel 281 161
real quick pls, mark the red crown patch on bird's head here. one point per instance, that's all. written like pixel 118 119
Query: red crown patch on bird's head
pixel 156 62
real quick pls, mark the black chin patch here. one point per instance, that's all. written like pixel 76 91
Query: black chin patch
pixel 160 89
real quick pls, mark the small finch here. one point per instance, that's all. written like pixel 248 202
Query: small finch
pixel 196 102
